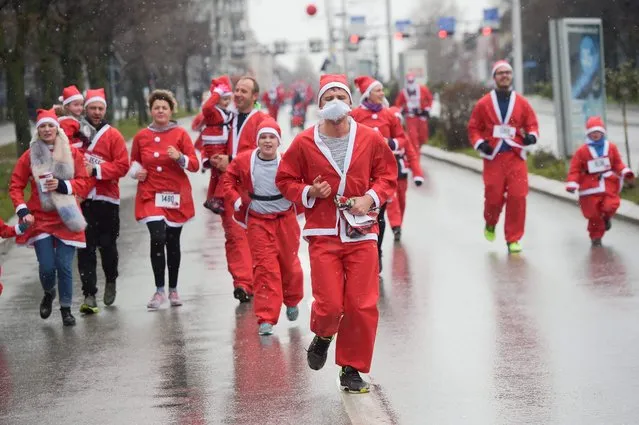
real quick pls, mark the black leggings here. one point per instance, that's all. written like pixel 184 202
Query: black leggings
pixel 381 222
pixel 161 236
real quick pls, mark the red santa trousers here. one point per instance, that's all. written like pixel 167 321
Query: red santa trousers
pixel 277 273
pixel 417 131
pixel 506 181
pixel 396 208
pixel 596 208
pixel 273 111
pixel 216 189
pixel 238 254
pixel 345 282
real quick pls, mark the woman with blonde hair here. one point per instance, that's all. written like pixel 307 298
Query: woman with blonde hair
pixel 160 156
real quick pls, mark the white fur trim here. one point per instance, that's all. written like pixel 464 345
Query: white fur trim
pixel 18 231
pixel 418 179
pixel 394 146
pixel 501 65
pixel 237 204
pixel 307 201
pixel 373 195
pixel 477 143
pixel 21 206
pixel 269 130
pixel 333 85
pixel 98 171
pixel 186 162
pixel 69 187
pixel 626 171
pixel 72 98
pixel 135 167
pixel 370 89
pixel 47 120
pixel 95 99
pixel 572 185
pixel 593 129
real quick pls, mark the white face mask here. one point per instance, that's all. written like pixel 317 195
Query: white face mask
pixel 334 110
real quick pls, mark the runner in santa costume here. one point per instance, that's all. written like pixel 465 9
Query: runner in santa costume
pixel 273 99
pixel 70 116
pixel 273 231
pixel 106 159
pixel 375 115
pixel 217 121
pixel 198 126
pixel 160 155
pixel 415 101
pixel 407 159
pixel 597 172
pixel 340 170
pixel 501 126
pixel 242 138
pixel 7 232
pixel 56 175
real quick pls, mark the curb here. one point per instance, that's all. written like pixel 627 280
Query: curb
pixel 628 211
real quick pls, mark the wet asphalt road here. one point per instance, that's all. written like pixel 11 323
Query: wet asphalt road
pixel 467 334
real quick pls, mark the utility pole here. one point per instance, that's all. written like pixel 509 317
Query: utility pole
pixel 331 40
pixel 518 56
pixel 345 37
pixel 391 71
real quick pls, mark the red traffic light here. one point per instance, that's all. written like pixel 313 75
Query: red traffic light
pixel 354 38
pixel 486 31
pixel 442 34
pixel 311 9
pixel 399 35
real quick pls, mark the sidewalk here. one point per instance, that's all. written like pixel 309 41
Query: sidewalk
pixel 628 211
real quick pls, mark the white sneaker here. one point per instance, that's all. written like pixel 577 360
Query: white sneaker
pixel 157 300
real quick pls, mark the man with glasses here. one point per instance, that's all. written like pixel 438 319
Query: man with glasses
pixel 501 126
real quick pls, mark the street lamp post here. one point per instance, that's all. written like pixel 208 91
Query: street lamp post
pixel 391 70
pixel 518 56
pixel 345 36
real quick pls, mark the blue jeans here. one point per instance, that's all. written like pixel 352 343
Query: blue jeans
pixel 56 257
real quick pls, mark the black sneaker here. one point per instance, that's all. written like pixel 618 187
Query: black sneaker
pixel 67 317
pixel 46 304
pixel 109 293
pixel 351 382
pixel 608 223
pixel 316 355
pixel 240 294
pixel 596 242
pixel 397 232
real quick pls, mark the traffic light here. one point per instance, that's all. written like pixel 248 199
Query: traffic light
pixel 442 34
pixel 399 35
pixel 486 31
pixel 354 39
pixel 446 27
pixel 353 42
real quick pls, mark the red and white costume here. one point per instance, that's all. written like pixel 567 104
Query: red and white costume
pixel 274 237
pixel 407 159
pixel 215 134
pixel 47 223
pixel 344 270
pixel 156 196
pixel 415 101
pixel 109 156
pixel 505 171
pixel 238 253
pixel 69 124
pixel 598 177
pixel 273 99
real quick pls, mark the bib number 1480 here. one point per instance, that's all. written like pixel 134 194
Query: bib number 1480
pixel 167 200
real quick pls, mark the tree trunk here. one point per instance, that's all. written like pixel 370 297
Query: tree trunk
pixel 15 91
pixel 98 70
pixel 185 83
pixel 70 61
pixel 137 87
pixel 46 74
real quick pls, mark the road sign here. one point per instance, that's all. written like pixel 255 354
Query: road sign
pixel 358 25
pixel 491 18
pixel 447 24
pixel 316 45
pixel 403 25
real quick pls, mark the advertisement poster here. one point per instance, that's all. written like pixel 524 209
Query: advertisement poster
pixel 587 76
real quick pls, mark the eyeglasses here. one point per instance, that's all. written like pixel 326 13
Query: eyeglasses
pixel 500 73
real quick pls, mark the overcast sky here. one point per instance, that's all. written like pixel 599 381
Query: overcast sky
pixel 273 20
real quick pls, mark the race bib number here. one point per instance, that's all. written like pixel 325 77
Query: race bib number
pixel 599 165
pixel 95 160
pixel 504 132
pixel 167 200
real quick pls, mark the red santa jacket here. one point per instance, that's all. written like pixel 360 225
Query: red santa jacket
pixel 486 124
pixel 390 127
pixel 217 124
pixel 7 231
pixel 246 137
pixel 409 101
pixel 238 185
pixel 198 126
pixel 71 128
pixel 369 169
pixel 165 175
pixel 108 154
pixel 47 223
pixel 594 174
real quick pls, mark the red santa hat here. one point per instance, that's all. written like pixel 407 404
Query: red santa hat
pixel 269 126
pixel 95 95
pixel 331 81
pixel 70 94
pixel 595 124
pixel 222 85
pixel 501 64
pixel 47 116
pixel 366 84
pixel 410 77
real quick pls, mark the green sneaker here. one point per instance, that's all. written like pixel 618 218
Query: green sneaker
pixel 489 233
pixel 90 306
pixel 514 247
